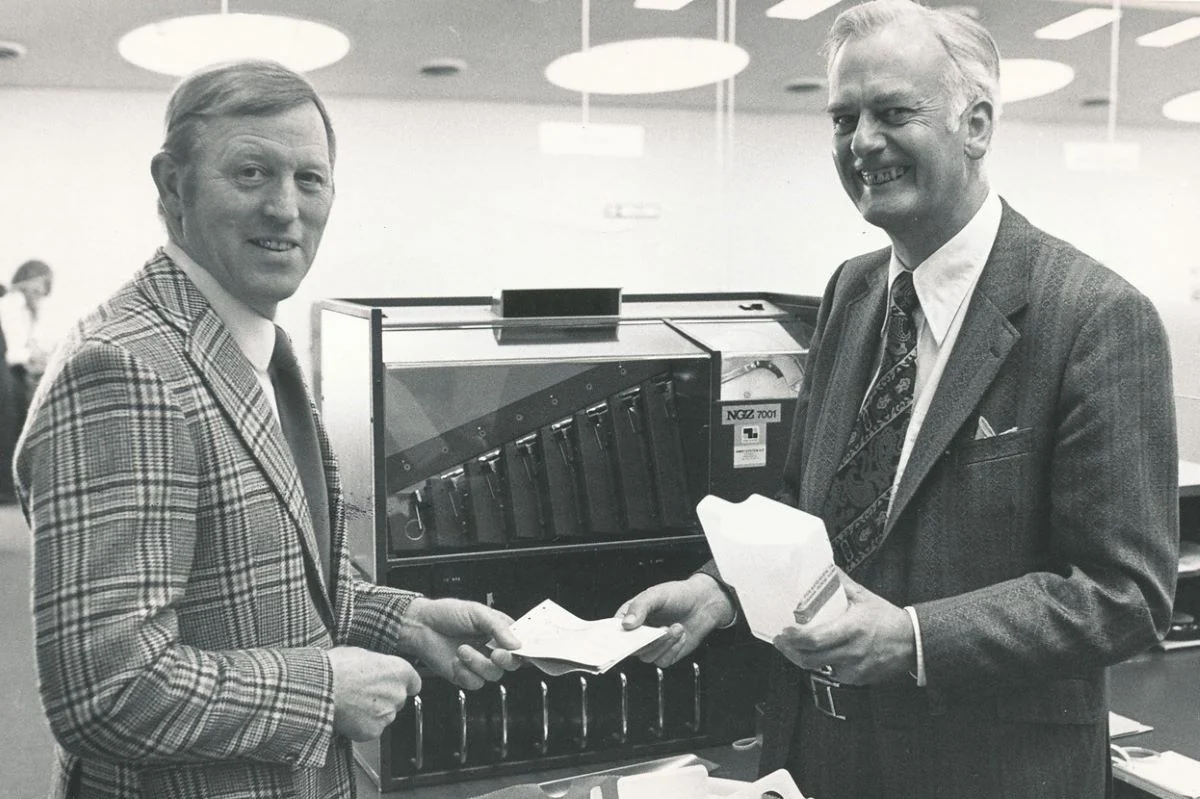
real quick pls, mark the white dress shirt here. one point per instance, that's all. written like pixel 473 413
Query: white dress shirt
pixel 944 283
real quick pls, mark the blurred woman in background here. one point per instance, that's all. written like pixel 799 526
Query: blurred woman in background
pixel 25 348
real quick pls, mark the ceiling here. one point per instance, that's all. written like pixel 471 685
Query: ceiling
pixel 507 44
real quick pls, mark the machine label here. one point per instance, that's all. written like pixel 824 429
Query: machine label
pixel 737 414
pixel 749 447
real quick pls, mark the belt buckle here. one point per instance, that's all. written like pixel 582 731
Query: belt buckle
pixel 822 689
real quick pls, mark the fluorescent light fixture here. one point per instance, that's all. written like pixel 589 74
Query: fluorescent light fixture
pixel 799 9
pixel 661 5
pixel 1024 78
pixel 178 46
pixel 1172 34
pixel 647 66
pixel 1184 108
pixel 1078 24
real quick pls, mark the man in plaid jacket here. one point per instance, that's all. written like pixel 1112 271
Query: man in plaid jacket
pixel 199 630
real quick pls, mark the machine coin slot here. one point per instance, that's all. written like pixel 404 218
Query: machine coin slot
pixel 522 498
pixel 593 443
pixel 666 452
pixel 559 481
pixel 485 498
pixel 447 495
pixel 632 449
pixel 406 515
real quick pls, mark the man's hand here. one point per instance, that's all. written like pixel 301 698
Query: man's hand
pixel 368 690
pixel 446 633
pixel 871 642
pixel 692 608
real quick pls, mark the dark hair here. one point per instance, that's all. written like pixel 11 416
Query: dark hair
pixel 235 88
pixel 33 269
pixel 972 50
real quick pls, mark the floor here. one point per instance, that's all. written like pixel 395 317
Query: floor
pixel 25 742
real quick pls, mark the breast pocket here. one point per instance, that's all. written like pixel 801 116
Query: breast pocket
pixel 992 497
pixel 1004 445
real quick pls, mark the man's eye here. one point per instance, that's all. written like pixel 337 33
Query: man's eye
pixel 311 179
pixel 895 116
pixel 844 123
pixel 251 172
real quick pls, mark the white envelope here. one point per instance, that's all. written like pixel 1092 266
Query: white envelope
pixel 777 558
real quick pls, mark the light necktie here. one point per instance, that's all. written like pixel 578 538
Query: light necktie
pixel 857 506
pixel 296 421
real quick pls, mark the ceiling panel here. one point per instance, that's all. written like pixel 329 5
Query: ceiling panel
pixel 508 43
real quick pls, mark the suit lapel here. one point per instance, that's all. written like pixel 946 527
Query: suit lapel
pixel 223 368
pixel 854 325
pixel 984 341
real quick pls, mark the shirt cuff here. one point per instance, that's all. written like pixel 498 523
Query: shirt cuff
pixel 920 675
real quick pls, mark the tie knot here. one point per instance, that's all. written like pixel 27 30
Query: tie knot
pixel 904 295
pixel 282 356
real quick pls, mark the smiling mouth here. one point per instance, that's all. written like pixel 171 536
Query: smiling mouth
pixel 880 176
pixel 274 245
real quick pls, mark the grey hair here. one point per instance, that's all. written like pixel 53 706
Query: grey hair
pixel 249 87
pixel 972 50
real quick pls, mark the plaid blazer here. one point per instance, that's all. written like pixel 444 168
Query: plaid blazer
pixel 180 628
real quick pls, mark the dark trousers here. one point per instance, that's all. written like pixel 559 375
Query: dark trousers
pixel 903 752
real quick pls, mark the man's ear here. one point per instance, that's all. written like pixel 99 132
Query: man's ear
pixel 168 178
pixel 980 121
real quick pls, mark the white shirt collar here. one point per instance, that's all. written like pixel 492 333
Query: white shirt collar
pixel 252 332
pixel 944 280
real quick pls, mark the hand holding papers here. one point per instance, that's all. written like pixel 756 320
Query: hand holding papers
pixel 557 641
pixel 777 559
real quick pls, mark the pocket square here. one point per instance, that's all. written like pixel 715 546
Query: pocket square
pixel 983 429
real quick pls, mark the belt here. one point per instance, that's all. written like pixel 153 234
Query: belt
pixel 838 701
pixel 862 703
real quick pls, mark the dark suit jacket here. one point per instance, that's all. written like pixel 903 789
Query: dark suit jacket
pixel 1034 559
pixel 180 627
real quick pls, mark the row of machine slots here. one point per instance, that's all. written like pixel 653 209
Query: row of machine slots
pixel 531 716
pixel 613 468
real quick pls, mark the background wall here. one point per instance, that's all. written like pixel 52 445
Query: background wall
pixel 453 198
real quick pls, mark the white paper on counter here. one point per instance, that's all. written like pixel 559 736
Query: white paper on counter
pixel 777 558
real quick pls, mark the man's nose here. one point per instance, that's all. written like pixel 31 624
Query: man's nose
pixel 282 201
pixel 868 136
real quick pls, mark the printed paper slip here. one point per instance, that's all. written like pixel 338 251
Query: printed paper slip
pixel 778 560
pixel 557 641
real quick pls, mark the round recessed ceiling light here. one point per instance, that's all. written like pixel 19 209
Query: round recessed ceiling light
pixel 443 67
pixel 805 85
pixel 1184 108
pixel 1024 78
pixel 647 66
pixel 178 46
pixel 11 51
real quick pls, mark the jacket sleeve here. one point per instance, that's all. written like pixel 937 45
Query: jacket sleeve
pixel 376 623
pixel 110 481
pixel 1108 502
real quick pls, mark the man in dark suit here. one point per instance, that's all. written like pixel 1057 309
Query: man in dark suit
pixel 987 429
pixel 200 631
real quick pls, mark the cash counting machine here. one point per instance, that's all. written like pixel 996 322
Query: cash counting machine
pixel 554 444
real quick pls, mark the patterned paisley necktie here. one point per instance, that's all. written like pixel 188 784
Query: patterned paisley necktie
pixel 857 506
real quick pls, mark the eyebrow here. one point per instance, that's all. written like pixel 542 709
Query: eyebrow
pixel 880 99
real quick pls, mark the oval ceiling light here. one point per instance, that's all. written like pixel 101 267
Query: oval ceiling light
pixel 1184 108
pixel 647 66
pixel 178 46
pixel 1025 78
